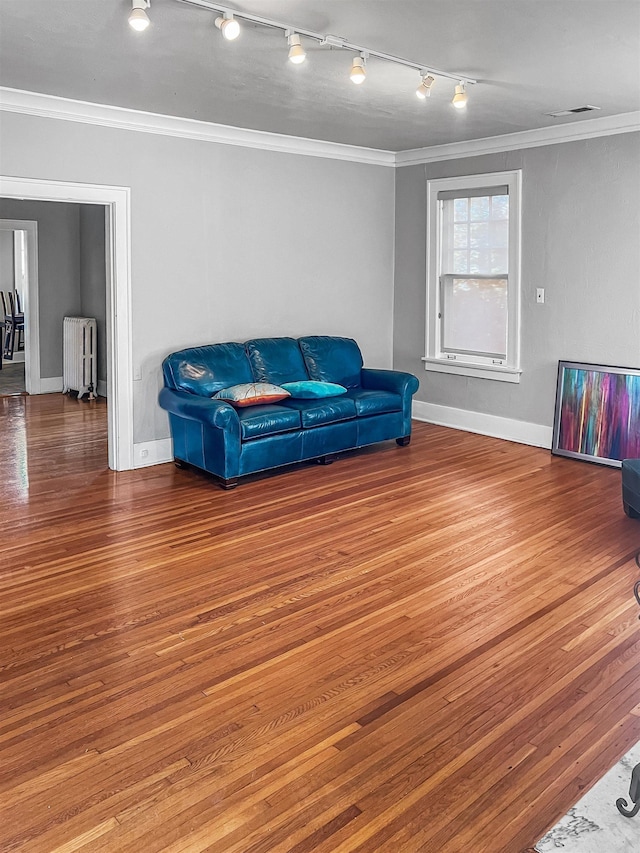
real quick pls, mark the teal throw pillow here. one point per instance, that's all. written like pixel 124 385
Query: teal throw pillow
pixel 311 389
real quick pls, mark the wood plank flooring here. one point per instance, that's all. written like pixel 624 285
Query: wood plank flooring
pixel 432 648
pixel 12 378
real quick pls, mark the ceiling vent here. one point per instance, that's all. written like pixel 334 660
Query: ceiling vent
pixel 575 111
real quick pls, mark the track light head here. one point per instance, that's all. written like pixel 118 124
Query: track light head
pixel 460 98
pixel 424 89
pixel 358 69
pixel 296 51
pixel 138 18
pixel 228 26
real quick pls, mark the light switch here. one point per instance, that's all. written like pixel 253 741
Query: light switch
pixel 540 295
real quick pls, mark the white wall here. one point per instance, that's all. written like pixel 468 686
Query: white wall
pixel 229 243
pixel 580 242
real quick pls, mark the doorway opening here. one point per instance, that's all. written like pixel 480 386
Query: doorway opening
pixel 116 202
pixel 18 261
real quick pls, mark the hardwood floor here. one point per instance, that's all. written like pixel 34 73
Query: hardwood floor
pixel 12 379
pixel 432 648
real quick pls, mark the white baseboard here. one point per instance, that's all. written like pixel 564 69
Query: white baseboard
pixel 152 452
pixel 48 385
pixel 53 385
pixel 522 432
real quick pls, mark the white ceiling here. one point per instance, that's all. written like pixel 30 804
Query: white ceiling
pixel 530 57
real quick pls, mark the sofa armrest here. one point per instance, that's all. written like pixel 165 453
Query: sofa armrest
pixel 389 380
pixel 215 413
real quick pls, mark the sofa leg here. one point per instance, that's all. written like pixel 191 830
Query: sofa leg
pixel 630 511
pixel 327 459
pixel 227 485
pixel 180 463
pixel 404 441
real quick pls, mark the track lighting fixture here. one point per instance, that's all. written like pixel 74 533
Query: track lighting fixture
pixel 228 22
pixel 138 18
pixel 460 98
pixel 228 26
pixel 296 51
pixel 358 69
pixel 424 89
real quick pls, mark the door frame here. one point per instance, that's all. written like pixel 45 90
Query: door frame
pixel 117 201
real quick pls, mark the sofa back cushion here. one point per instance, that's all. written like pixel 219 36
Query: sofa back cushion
pixel 331 359
pixel 276 360
pixel 206 370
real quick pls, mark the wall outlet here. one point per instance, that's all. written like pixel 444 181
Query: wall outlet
pixel 144 453
pixel 540 295
pixel 137 373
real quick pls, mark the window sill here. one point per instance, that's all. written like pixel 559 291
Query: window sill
pixel 484 371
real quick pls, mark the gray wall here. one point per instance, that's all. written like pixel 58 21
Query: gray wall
pixel 58 270
pixel 71 271
pixel 228 243
pixel 93 276
pixel 580 241
pixel 7 270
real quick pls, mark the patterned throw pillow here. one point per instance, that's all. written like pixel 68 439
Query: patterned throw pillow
pixel 311 389
pixel 252 394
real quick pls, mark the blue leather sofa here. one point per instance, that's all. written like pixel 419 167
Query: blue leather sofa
pixel 229 442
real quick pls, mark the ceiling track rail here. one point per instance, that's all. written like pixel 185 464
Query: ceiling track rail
pixel 328 40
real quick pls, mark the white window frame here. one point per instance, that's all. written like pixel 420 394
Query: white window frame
pixel 504 370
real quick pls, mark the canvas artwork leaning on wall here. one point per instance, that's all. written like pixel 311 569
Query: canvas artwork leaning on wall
pixel 597 415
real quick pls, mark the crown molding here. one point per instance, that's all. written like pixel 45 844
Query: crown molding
pixel 84 112
pixel 584 129
pixel 52 106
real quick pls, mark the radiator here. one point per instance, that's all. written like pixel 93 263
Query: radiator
pixel 80 356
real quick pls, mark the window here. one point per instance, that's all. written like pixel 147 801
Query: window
pixel 473 266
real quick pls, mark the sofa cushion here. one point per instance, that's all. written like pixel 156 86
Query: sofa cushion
pixel 317 412
pixel 257 421
pixel 206 370
pixel 332 359
pixel 374 402
pixel 311 389
pixel 276 360
pixel 252 394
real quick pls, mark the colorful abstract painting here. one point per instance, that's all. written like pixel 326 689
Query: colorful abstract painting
pixel 597 413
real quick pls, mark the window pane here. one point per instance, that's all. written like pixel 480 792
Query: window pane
pixel 461 209
pixel 474 316
pixel 460 236
pixel 500 234
pixel 500 207
pixel 461 261
pixel 499 262
pixel 478 261
pixel 479 234
pixel 480 207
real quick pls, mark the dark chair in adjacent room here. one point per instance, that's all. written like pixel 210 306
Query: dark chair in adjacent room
pixel 13 325
pixel 6 324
